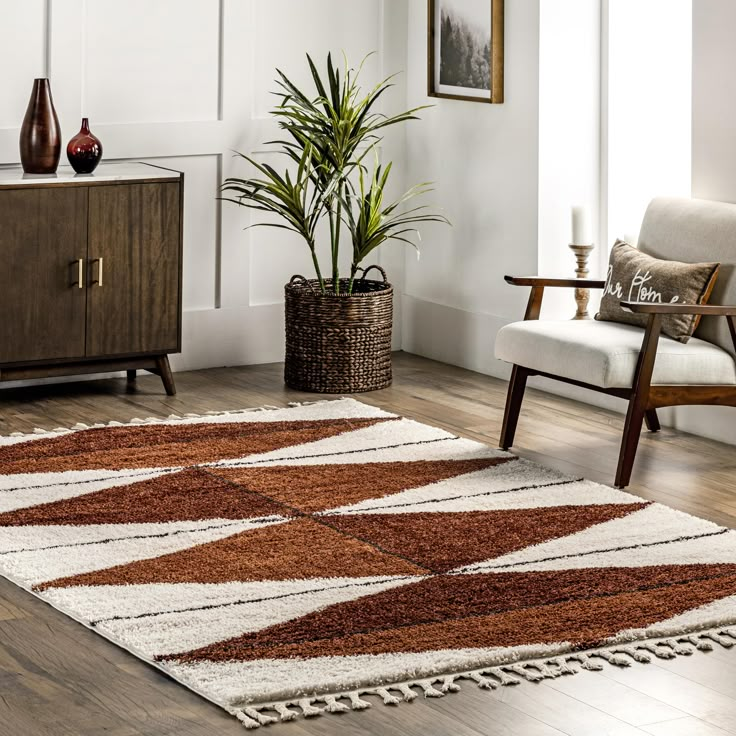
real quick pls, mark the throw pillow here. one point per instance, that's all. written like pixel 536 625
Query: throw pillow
pixel 634 276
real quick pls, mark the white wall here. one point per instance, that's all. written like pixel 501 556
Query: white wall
pixel 714 100
pixel 182 84
pixel 713 148
pixel 507 176
pixel 484 160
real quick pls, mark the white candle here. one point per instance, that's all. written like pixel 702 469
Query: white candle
pixel 580 227
pixel 46 51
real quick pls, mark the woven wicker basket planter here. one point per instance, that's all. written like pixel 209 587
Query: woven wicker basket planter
pixel 338 344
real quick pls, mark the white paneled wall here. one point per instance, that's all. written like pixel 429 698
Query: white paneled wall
pixel 184 83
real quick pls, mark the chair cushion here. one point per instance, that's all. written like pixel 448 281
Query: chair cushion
pixel 605 354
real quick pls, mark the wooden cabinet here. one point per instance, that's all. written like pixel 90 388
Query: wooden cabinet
pixel 91 275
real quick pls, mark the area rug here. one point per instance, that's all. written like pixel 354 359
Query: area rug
pixel 293 561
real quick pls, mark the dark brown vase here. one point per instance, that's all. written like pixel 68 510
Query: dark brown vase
pixel 40 135
pixel 84 151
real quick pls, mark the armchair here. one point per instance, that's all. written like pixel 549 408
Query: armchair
pixel 648 370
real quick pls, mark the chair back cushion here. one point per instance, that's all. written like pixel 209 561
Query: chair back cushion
pixel 694 231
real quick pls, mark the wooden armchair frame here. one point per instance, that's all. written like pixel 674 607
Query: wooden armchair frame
pixel 644 399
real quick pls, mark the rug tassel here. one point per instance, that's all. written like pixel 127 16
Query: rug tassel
pixel 564 667
pixel 449 685
pixel 261 718
pixel 332 706
pixel 700 643
pixel 504 677
pixel 681 648
pixel 388 699
pixel 636 653
pixel 546 671
pixel 408 693
pixel 483 682
pixel 284 713
pixel 612 658
pixel 663 652
pixel 718 638
pixel 249 723
pixel 308 709
pixel 429 691
pixel 356 703
pixel 528 672
pixel 587 663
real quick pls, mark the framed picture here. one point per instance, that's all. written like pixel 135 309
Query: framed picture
pixel 465 54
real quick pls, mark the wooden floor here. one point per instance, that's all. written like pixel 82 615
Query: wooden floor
pixel 56 677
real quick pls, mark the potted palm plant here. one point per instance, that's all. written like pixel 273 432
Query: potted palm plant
pixel 338 326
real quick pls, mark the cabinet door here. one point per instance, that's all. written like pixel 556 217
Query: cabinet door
pixel 134 243
pixel 43 236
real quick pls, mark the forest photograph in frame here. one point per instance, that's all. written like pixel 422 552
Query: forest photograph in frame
pixel 466 49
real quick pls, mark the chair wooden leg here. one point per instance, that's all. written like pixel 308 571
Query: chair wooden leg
pixel 629 444
pixel 515 396
pixel 652 420
pixel 163 369
pixel 639 402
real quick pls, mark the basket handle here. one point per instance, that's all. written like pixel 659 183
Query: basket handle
pixel 298 278
pixel 370 268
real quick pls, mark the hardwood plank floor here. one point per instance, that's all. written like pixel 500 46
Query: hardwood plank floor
pixel 56 677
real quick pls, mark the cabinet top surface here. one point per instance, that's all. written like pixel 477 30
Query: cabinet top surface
pixel 14 176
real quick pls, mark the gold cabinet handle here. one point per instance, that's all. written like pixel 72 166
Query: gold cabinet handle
pixel 80 273
pixel 98 280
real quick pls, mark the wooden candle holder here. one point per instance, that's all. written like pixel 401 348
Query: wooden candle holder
pixel 582 296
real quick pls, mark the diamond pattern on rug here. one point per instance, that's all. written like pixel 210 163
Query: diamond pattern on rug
pixel 443 541
pixel 584 623
pixel 457 598
pixel 303 548
pixel 193 494
pixel 151 446
pixel 315 488
pixel 334 547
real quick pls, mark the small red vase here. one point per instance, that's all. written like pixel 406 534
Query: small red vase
pixel 84 151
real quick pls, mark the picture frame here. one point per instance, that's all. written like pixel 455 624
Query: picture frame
pixel 465 54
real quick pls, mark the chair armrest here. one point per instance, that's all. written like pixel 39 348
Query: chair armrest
pixel 538 284
pixel 539 281
pixel 700 309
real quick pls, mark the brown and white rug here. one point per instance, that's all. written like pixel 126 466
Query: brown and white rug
pixel 292 560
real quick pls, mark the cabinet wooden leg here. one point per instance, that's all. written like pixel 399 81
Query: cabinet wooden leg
pixel 131 375
pixel 167 377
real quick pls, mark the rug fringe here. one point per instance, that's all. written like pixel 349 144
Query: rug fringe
pixel 490 678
